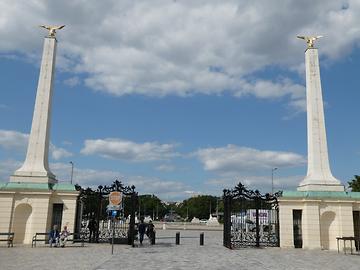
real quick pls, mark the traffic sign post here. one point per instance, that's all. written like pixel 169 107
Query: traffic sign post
pixel 113 234
pixel 115 199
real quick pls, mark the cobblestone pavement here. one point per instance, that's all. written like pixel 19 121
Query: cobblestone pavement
pixel 166 255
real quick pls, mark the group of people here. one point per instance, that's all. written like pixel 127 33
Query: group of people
pixel 57 238
pixel 148 229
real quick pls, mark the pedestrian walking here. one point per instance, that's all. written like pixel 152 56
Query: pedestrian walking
pixel 150 232
pixel 142 229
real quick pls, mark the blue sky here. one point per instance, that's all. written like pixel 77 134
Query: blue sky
pixel 181 98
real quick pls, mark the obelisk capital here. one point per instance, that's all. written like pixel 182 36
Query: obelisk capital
pixel 52 29
pixel 309 40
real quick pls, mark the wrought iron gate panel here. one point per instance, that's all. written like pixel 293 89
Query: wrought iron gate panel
pixel 105 229
pixel 250 218
pixel 124 228
pixel 227 220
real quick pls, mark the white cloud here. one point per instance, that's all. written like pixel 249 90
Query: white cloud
pixel 59 153
pixel 165 168
pixel 13 140
pixel 17 141
pixel 159 47
pixel 267 89
pixel 67 143
pixel 128 150
pixel 72 82
pixel 84 177
pixel 165 189
pixel 262 183
pixel 235 159
pixel 7 168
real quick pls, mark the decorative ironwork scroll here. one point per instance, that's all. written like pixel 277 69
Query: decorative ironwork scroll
pixel 92 206
pixel 250 218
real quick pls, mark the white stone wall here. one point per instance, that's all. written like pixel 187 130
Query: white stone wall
pixel 6 207
pixel 346 221
pixel 27 213
pixel 37 221
pixel 322 222
pixel 286 223
pixel 310 225
pixel 69 210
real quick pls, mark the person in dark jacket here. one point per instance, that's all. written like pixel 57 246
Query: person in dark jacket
pixel 92 226
pixel 142 229
pixel 54 236
pixel 150 232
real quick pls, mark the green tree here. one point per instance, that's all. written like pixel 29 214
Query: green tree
pixel 150 205
pixel 354 184
pixel 198 206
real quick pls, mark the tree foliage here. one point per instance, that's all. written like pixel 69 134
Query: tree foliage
pixel 354 184
pixel 199 207
pixel 150 205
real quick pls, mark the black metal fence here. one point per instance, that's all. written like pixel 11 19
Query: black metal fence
pixel 93 220
pixel 104 230
pixel 250 218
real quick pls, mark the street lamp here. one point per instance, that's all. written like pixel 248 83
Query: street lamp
pixel 272 180
pixel 72 171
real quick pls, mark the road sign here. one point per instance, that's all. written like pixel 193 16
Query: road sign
pixel 113 207
pixel 115 198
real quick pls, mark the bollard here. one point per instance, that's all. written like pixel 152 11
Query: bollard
pixel 153 238
pixel 201 239
pixel 178 238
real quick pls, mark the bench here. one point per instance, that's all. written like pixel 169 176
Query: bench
pixel 76 238
pixel 40 237
pixel 9 238
pixel 347 238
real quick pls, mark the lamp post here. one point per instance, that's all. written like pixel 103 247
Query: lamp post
pixel 217 208
pixel 272 180
pixel 72 171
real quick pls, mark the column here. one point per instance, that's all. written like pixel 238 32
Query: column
pixel 311 225
pixel 36 166
pixel 319 176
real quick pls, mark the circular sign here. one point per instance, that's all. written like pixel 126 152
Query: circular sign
pixel 115 197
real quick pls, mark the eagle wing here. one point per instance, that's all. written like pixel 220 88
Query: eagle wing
pixel 44 26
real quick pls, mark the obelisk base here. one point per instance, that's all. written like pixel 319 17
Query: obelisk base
pixel 33 178
pixel 29 208
pixel 320 187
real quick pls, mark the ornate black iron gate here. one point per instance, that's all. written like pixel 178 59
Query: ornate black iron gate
pixel 250 218
pixel 94 222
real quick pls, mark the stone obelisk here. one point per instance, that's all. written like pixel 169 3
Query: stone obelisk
pixel 319 176
pixel 36 165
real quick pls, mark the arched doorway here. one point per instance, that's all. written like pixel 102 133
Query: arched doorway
pixel 327 229
pixel 21 223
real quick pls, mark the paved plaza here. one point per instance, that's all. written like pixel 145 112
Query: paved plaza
pixel 166 255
